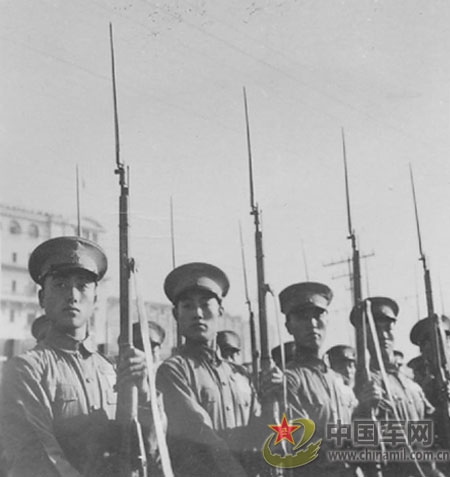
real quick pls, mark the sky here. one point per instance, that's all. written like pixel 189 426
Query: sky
pixel 378 69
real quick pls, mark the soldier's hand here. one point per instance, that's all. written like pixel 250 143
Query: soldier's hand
pixel 132 368
pixel 371 394
pixel 271 381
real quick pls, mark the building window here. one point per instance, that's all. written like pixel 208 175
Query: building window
pixel 14 227
pixel 33 231
pixel 12 315
pixel 14 257
pixel 13 286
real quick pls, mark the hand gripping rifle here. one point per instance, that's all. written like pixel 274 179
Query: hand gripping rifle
pixel 362 366
pixel 255 352
pixel 441 369
pixel 132 456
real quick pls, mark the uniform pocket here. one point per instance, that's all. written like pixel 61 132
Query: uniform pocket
pixel 67 400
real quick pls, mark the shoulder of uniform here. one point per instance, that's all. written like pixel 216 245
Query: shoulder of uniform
pixel 238 368
pixel 32 361
pixel 108 360
pixel 175 362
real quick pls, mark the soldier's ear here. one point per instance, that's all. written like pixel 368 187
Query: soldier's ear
pixel 221 310
pixel 41 297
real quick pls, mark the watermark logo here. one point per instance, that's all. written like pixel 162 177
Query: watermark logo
pixel 368 433
pixel 302 455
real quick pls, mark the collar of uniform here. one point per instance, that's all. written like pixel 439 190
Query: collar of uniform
pixel 66 343
pixel 202 351
pixel 389 367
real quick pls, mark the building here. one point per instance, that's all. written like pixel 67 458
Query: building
pixel 21 230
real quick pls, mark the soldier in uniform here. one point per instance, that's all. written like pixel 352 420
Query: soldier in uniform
pixel 314 390
pixel 209 401
pixel 289 353
pixel 399 359
pixel 420 335
pixel 58 399
pixel 343 360
pixel 229 343
pixel 157 336
pixel 409 400
pixel 418 368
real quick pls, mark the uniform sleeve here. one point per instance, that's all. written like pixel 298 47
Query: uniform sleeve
pixel 193 442
pixel 31 448
pixel 296 407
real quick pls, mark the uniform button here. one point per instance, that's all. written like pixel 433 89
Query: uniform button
pixel 89 380
pixel 228 408
pixel 224 383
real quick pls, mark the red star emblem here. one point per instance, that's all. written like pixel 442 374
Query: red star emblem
pixel 284 431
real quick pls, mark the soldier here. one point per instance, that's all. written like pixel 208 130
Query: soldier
pixel 343 360
pixel 314 390
pixel 157 336
pixel 409 400
pixel 229 344
pixel 58 399
pixel 289 353
pixel 208 400
pixel 420 335
pixel 399 359
pixel 418 368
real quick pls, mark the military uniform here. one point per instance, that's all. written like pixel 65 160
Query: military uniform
pixel 209 401
pixel 314 390
pixel 408 399
pixel 229 343
pixel 340 358
pixel 420 335
pixel 289 353
pixel 58 399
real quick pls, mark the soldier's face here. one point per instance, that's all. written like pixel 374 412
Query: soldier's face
pixel 69 300
pixel 198 314
pixel 384 327
pixel 348 369
pixel 230 354
pixel 308 327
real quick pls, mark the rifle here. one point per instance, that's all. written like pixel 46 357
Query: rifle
pixel 362 372
pixel 440 362
pixel 255 352
pixel 263 288
pixel 362 366
pixel 132 454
